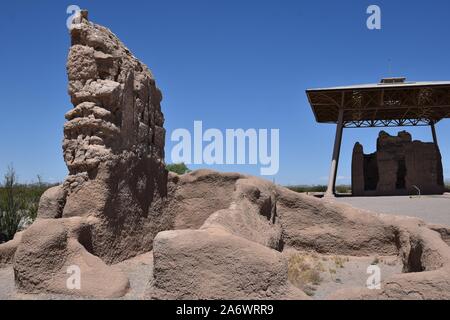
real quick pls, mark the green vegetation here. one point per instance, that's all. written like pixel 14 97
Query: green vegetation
pixel 18 203
pixel 319 188
pixel 179 168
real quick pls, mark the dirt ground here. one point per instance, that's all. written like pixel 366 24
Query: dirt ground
pixel 431 209
pixel 320 275
pixel 7 288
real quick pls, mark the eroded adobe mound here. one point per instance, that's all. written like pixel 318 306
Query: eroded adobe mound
pixel 223 258
pixel 213 235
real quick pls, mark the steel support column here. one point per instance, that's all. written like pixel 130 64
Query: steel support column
pixel 433 132
pixel 336 152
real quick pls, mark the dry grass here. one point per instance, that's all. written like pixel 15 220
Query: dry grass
pixel 376 261
pixel 304 272
pixel 307 268
pixel 339 261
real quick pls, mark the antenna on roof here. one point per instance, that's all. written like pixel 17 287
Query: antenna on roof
pixel 389 67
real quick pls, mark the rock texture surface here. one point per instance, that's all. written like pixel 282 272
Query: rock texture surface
pixel 220 259
pixel 47 251
pixel 113 143
pixel 325 227
pixel 214 264
pixel 194 197
pixel 236 253
pixel 8 249
pixel 397 168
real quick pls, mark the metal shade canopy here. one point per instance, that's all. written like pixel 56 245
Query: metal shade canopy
pixel 393 102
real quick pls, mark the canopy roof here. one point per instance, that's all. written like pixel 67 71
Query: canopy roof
pixel 392 102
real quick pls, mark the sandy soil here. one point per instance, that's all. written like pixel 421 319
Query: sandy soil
pixel 335 272
pixel 139 271
pixel 7 288
pixel 431 209
pixel 321 275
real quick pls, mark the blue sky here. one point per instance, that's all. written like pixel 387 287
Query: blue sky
pixel 231 64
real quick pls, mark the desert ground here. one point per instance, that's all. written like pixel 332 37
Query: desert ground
pixel 430 208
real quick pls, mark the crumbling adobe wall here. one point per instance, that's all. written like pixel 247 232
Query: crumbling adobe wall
pixel 113 143
pixel 238 252
pixel 398 166
pixel 110 207
pixel 235 254
pixel 358 183
pixel 194 197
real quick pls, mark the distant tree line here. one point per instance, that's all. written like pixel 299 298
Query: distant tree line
pixel 19 202
pixel 179 168
pixel 319 188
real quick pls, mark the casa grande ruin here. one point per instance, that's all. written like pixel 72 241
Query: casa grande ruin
pixel 400 164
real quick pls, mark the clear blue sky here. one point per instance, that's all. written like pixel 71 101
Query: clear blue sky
pixel 231 64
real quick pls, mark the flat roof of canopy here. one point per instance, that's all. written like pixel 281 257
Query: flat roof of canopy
pixel 383 104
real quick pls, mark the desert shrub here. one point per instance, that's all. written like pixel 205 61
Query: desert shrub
pixel 319 188
pixel 375 261
pixel 302 189
pixel 304 271
pixel 179 168
pixel 339 261
pixel 12 206
pixel 18 203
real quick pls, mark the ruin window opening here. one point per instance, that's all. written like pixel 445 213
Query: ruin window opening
pixel 370 172
pixel 401 174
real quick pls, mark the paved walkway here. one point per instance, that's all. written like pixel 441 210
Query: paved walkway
pixel 432 209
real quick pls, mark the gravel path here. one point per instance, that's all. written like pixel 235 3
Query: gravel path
pixel 431 209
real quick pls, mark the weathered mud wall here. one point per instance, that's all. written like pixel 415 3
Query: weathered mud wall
pixel 398 167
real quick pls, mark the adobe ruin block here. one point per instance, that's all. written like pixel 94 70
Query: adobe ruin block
pixel 109 208
pixel 400 166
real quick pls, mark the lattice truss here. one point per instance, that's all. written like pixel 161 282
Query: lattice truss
pixel 383 107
